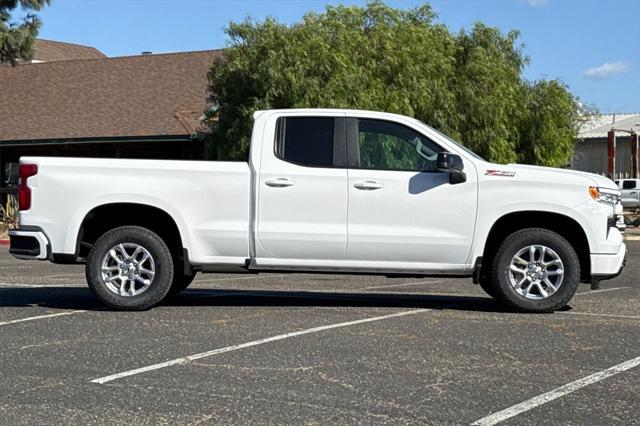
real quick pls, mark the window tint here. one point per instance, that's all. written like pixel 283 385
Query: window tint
pixel 307 141
pixel 628 184
pixel 389 146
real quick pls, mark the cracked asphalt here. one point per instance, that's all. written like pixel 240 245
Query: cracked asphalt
pixel 458 359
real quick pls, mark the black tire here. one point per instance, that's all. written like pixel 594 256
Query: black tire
pixel 181 282
pixel 163 262
pixel 505 291
pixel 488 287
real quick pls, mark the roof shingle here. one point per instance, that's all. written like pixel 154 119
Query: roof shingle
pixel 48 51
pixel 110 97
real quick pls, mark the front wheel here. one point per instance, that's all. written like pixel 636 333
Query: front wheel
pixel 181 282
pixel 535 270
pixel 130 268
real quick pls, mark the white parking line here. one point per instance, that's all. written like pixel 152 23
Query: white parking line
pixel 42 317
pixel 601 315
pixel 604 290
pixel 557 393
pixel 62 275
pixel 40 285
pixel 244 278
pixel 400 285
pixel 17 266
pixel 186 359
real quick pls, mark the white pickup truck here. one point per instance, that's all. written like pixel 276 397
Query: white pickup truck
pixel 324 190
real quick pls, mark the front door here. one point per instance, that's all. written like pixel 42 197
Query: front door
pixel 401 209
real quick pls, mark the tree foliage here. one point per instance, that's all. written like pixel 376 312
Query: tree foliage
pixel 468 85
pixel 16 38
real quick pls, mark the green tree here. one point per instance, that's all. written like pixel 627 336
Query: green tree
pixel 488 86
pixel 16 38
pixel 468 85
pixel 550 125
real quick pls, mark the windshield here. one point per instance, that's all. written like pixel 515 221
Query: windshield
pixel 450 139
pixel 464 148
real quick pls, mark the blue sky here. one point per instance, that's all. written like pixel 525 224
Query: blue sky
pixel 592 45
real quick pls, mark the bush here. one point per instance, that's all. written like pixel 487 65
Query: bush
pixel 8 215
pixel 469 85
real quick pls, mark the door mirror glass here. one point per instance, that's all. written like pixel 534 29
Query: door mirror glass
pixel 452 164
pixel 449 163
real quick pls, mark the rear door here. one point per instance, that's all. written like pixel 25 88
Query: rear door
pixel 401 209
pixel 302 191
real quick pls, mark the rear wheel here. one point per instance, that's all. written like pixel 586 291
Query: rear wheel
pixel 535 270
pixel 130 268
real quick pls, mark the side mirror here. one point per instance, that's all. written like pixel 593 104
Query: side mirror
pixel 451 163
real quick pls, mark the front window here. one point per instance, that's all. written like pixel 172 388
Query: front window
pixel 629 184
pixel 385 145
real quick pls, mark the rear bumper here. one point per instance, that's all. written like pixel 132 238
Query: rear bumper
pixel 29 244
pixel 604 266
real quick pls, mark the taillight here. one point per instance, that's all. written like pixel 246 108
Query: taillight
pixel 24 194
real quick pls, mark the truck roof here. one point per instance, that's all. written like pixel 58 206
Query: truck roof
pixel 332 111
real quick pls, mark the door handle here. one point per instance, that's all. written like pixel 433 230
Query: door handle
pixel 279 182
pixel 368 185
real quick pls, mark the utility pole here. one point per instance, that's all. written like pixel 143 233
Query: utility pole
pixel 635 156
pixel 611 154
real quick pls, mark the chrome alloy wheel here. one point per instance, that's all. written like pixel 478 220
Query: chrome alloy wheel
pixel 536 272
pixel 128 269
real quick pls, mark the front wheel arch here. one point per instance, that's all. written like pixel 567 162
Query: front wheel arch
pixel 561 224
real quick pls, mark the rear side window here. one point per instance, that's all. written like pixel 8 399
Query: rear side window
pixel 629 184
pixel 307 141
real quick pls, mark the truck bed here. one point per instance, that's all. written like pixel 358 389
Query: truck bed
pixel 213 198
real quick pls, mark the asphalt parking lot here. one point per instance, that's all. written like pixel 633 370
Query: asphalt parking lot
pixel 282 349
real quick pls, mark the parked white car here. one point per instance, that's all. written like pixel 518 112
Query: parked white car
pixel 630 189
pixel 323 191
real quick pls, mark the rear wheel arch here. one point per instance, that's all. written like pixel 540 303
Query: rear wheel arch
pixel 103 218
pixel 563 225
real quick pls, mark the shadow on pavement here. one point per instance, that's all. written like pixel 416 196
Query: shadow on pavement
pixel 82 298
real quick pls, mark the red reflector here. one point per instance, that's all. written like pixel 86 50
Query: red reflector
pixel 24 194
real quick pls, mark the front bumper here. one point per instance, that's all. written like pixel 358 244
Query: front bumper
pixel 605 266
pixel 29 244
pixel 618 218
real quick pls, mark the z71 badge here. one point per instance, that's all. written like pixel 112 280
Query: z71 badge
pixel 502 173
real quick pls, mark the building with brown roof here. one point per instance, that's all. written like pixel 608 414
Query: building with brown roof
pixel 147 106
pixel 50 51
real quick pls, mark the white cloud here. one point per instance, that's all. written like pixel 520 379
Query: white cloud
pixel 607 69
pixel 535 3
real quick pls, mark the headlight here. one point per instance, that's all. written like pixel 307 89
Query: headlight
pixel 603 195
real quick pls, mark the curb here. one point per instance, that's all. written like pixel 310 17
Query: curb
pixel 4 243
